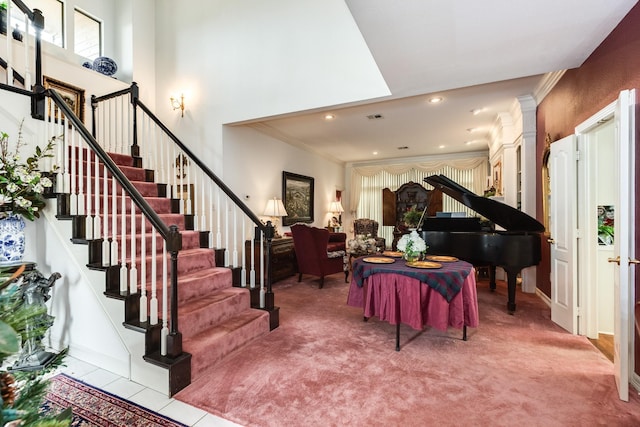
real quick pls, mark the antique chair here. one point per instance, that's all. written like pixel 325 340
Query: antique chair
pixel 310 244
pixel 366 226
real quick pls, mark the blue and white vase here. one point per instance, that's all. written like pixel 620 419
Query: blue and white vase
pixel 11 239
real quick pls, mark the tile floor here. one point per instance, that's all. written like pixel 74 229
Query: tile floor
pixel 141 395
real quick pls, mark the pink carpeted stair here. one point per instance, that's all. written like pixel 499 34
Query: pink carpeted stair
pixel 215 318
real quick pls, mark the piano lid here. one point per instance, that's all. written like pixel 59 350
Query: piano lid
pixel 509 218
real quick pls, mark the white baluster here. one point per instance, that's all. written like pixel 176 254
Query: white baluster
pixel 133 270
pixel 165 318
pixel 143 270
pixel 154 279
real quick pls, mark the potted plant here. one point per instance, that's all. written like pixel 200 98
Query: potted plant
pixel 412 217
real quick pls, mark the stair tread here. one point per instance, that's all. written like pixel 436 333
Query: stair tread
pixel 216 297
pixel 219 331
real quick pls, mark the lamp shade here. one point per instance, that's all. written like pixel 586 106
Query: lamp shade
pixel 336 207
pixel 274 207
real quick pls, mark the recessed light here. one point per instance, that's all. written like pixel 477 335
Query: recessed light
pixel 375 153
pixel 329 116
pixel 442 146
pixel 473 129
pixel 436 99
pixel 477 111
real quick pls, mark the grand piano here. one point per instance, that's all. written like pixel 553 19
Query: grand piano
pixel 513 249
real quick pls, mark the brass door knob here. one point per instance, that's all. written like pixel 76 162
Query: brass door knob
pixel 616 260
pixel 551 241
pixel 634 261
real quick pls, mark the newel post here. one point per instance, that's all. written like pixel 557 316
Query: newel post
pixel 135 148
pixel 174 339
pixel 269 299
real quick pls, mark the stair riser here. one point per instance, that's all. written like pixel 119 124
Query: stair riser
pixel 193 322
pixel 208 355
pixel 186 263
pixel 158 204
pixel 146 189
pixel 133 173
pixel 168 219
pixel 190 240
pixel 211 281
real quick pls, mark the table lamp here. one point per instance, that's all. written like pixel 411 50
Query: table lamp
pixel 336 209
pixel 275 209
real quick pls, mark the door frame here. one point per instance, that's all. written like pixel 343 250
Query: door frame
pixel 587 288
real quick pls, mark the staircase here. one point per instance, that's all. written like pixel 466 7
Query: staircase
pixel 167 235
pixel 166 272
pixel 215 317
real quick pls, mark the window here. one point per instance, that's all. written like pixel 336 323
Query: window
pixel 52 10
pixel 87 35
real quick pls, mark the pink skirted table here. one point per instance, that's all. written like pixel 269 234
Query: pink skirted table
pixel 397 293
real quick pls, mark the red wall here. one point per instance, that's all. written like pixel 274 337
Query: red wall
pixel 582 92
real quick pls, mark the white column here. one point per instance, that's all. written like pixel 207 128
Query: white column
pixel 528 175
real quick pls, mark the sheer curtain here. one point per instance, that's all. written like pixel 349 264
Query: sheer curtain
pixel 367 183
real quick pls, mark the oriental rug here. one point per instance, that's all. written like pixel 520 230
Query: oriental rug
pixel 324 366
pixel 95 407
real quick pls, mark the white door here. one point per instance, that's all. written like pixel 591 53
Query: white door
pixel 563 222
pixel 624 239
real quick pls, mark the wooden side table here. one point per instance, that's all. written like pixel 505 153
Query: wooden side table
pixel 283 258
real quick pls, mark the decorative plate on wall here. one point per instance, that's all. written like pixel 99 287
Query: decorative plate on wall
pixel 106 66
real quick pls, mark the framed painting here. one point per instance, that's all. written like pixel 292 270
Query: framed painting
pixel 297 196
pixel 497 177
pixel 72 95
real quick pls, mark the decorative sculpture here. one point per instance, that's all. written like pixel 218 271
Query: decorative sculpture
pixel 35 290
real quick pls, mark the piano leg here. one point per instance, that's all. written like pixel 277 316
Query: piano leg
pixel 512 276
pixel 492 277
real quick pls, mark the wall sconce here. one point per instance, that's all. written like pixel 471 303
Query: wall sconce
pixel 336 209
pixel 275 209
pixel 175 104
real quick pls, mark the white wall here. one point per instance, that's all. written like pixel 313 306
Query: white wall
pixel 259 173
pixel 242 60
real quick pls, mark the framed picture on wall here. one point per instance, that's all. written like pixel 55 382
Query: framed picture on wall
pixel 497 177
pixel 72 95
pixel 297 196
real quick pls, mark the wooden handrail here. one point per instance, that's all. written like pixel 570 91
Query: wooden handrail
pixel 137 198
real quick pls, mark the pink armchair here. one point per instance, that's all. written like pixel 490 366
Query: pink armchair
pixel 310 244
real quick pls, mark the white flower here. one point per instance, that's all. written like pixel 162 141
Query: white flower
pixel 412 243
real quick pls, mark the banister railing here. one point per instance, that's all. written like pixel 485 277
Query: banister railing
pixel 76 178
pixel 121 116
pixel 34 18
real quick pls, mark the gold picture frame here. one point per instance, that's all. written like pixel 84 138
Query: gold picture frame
pixel 497 177
pixel 72 95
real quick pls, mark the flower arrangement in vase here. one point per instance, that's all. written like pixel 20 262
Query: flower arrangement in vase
pixel 21 183
pixel 412 245
pixel 22 187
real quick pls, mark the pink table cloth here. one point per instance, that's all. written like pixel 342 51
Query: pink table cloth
pixel 397 298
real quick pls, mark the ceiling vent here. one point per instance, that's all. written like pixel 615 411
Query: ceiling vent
pixel 375 117
pixel 404 147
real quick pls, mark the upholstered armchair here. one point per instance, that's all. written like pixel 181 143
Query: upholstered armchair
pixel 313 258
pixel 366 226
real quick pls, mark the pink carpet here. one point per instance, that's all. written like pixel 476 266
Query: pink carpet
pixel 324 366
